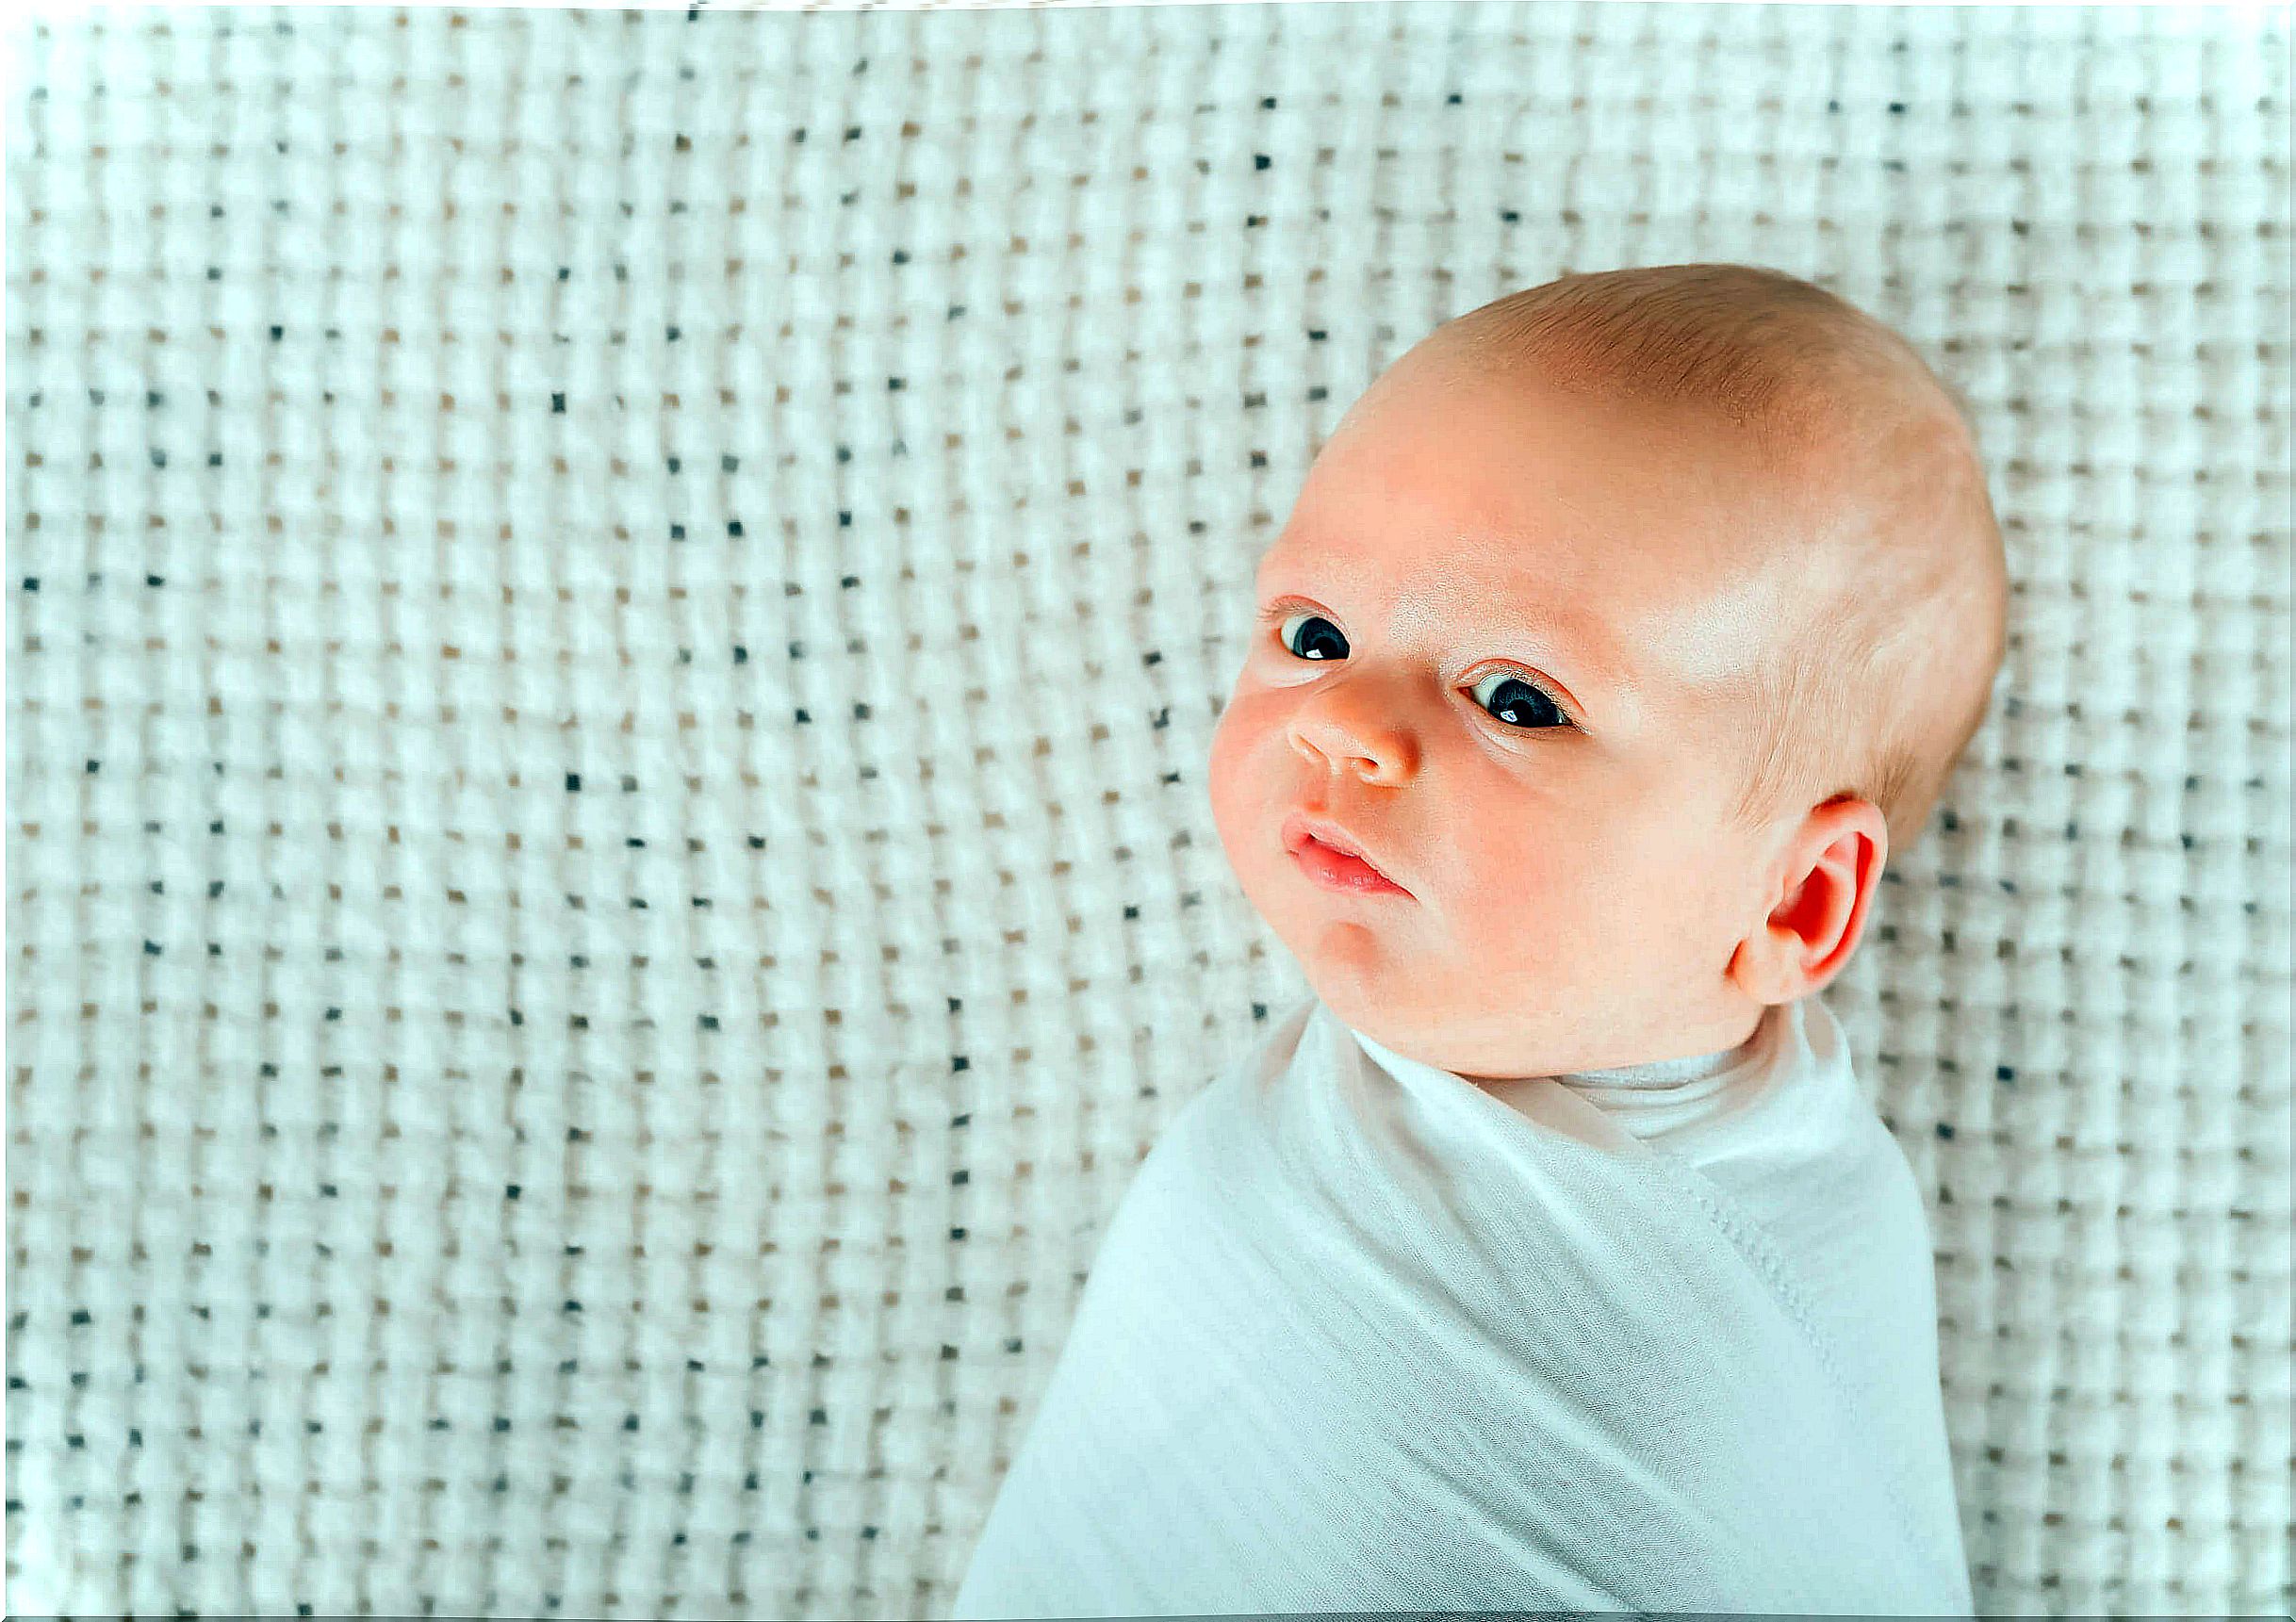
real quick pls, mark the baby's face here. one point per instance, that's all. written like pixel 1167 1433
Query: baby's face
pixel 1485 639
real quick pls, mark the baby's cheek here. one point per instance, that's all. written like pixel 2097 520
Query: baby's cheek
pixel 1533 903
pixel 1533 856
pixel 1230 774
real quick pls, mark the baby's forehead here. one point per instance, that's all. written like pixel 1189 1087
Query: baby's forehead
pixel 1809 422
pixel 1793 483
pixel 1513 471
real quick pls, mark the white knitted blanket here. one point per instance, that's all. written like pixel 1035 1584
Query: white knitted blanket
pixel 613 622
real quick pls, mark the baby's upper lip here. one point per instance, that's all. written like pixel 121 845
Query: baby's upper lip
pixel 1299 827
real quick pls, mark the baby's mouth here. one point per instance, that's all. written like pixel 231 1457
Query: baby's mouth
pixel 1337 870
pixel 1331 864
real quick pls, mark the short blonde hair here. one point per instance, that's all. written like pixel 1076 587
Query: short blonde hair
pixel 1896 620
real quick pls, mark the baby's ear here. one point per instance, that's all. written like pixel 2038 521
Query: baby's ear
pixel 1832 866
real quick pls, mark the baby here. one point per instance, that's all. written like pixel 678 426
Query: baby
pixel 1549 1257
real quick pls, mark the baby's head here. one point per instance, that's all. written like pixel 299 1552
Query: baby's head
pixel 1629 623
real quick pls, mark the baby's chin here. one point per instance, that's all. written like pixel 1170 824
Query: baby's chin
pixel 1362 958
pixel 1426 1038
pixel 1392 999
pixel 1373 988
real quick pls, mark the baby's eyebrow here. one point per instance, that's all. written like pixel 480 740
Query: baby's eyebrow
pixel 1589 665
pixel 1596 654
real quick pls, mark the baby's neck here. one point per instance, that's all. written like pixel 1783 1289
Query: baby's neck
pixel 1686 1067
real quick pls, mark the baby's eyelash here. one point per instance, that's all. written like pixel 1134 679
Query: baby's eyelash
pixel 1276 613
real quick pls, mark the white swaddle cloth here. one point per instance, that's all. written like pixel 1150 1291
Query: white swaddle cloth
pixel 1364 1336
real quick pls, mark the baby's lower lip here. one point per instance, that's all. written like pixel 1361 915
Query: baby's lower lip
pixel 1336 871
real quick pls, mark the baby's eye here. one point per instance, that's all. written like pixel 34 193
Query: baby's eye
pixel 1516 700
pixel 1519 703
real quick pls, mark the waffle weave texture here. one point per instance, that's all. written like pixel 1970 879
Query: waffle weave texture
pixel 614 621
